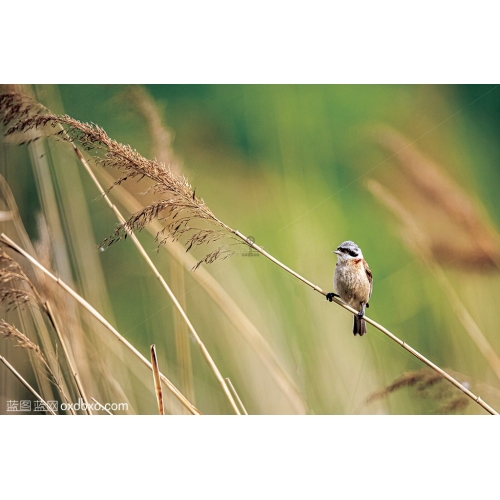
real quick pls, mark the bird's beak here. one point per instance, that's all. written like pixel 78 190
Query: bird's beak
pixel 337 252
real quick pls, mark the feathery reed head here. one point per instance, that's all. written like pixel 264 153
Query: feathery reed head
pixel 428 384
pixel 178 206
pixel 10 332
pixel 16 289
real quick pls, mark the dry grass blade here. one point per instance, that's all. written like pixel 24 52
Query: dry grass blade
pixel 384 330
pixel 74 372
pixel 9 331
pixel 240 320
pixel 157 381
pixel 182 197
pixel 163 283
pixel 24 115
pixel 237 396
pixel 7 241
pixel 14 297
pixel 101 406
pixel 162 150
pixel 28 386
pixel 182 203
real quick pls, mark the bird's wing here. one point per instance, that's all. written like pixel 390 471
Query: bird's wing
pixel 369 275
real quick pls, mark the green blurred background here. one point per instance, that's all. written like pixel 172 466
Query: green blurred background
pixel 288 165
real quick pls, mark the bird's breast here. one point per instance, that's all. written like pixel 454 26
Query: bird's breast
pixel 351 283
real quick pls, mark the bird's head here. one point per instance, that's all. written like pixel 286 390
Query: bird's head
pixel 348 251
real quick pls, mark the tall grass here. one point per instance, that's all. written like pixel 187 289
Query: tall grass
pixel 294 330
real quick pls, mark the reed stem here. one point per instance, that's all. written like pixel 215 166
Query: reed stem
pixel 28 386
pixel 393 337
pixel 6 240
pixel 162 281
pixel 74 373
pixel 157 381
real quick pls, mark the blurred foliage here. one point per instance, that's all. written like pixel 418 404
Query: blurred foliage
pixel 288 165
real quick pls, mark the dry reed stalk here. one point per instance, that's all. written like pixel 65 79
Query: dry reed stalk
pixel 182 340
pixel 162 150
pixel 415 353
pixel 123 157
pixel 36 314
pixel 162 281
pixel 182 207
pixel 61 311
pixel 180 204
pixel 422 248
pixel 102 407
pixel 21 379
pixel 237 396
pixel 228 306
pixel 71 365
pixel 8 331
pixel 7 241
pixel 157 381
pixel 182 197
pixel 14 297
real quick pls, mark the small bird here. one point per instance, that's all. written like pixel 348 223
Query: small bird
pixel 353 281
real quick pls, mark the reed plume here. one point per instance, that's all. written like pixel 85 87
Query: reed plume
pixel 8 331
pixel 162 149
pixel 11 244
pixel 16 289
pixel 426 384
pixel 176 209
pixel 179 205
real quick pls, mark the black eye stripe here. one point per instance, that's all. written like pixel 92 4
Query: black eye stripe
pixel 352 253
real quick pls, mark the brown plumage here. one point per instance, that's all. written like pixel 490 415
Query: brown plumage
pixel 353 282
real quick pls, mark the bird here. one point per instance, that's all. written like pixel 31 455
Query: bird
pixel 353 282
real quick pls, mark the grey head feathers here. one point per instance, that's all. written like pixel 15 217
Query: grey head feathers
pixel 349 249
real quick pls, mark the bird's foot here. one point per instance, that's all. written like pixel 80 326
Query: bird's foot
pixel 330 295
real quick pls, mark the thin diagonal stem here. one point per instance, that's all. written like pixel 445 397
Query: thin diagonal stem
pixel 74 373
pixel 101 406
pixel 236 396
pixel 404 345
pixel 5 239
pixel 422 244
pixel 21 379
pixel 229 307
pixel 163 283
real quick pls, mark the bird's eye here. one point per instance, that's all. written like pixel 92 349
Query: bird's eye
pixel 353 253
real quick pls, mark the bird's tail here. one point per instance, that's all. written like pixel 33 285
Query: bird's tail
pixel 359 327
